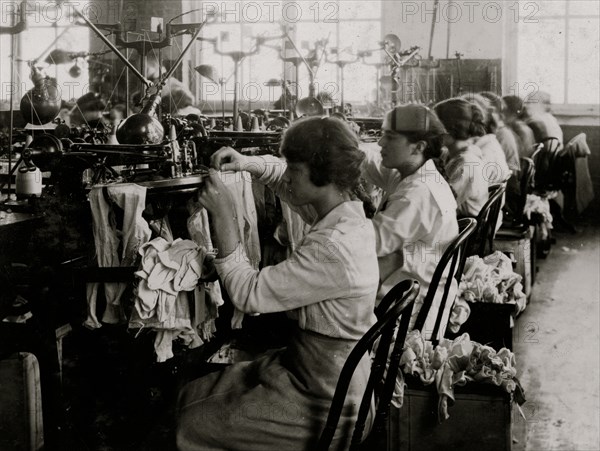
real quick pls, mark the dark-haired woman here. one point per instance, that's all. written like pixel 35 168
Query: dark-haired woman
pixel 493 155
pixel 463 164
pixel 417 217
pixel 328 284
pixel 505 135
pixel 514 116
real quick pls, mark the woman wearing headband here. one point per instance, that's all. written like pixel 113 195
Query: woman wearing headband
pixel 416 219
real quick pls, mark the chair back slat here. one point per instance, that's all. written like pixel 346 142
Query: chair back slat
pixel 399 301
pixel 547 170
pixel 482 241
pixel 455 254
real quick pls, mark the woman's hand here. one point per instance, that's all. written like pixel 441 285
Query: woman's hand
pixel 228 159
pixel 214 196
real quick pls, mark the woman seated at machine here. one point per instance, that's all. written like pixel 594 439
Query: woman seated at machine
pixel 463 163
pixel 328 284
pixel 496 169
pixel 416 219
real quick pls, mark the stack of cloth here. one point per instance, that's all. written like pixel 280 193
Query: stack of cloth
pixel 455 363
pixel 488 279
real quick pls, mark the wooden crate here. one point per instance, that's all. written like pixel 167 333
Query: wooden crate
pixel 479 420
pixel 489 324
pixel 522 249
pixel 21 425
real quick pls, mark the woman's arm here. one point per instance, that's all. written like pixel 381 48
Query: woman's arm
pixel 215 197
pixel 313 273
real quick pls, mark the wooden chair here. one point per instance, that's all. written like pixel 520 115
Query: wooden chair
pixel 482 240
pixel 518 240
pixel 547 174
pixel 397 303
pixel 455 256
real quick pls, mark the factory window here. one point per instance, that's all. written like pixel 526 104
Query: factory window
pixel 254 70
pixel 558 50
pixel 49 27
pixel 347 26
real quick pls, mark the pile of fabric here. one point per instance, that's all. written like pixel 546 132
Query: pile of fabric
pixel 492 279
pixel 537 210
pixel 171 295
pixel 455 363
pixel 168 270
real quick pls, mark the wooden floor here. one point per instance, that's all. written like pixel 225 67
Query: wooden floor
pixel 557 348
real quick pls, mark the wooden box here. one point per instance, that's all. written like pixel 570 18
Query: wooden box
pixel 521 248
pixel 21 425
pixel 479 420
pixel 489 324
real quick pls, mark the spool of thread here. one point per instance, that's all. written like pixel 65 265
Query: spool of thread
pixel 240 125
pixel 213 123
pixel 255 126
pixel 28 182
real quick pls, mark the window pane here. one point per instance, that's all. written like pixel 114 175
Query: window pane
pixel 308 33
pixel 265 65
pixel 295 12
pixel 585 7
pixel 541 58
pixel 229 39
pixel 359 78
pixel 543 8
pixel 74 39
pixel 584 71
pixel 5 71
pixel 359 10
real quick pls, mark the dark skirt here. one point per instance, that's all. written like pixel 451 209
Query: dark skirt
pixel 279 401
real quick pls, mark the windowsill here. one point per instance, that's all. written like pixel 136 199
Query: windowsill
pixel 583 115
pixel 576 110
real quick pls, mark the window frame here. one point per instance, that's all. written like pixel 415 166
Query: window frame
pixel 510 59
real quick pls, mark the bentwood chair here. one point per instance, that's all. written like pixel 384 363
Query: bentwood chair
pixel 398 303
pixel 482 241
pixel 518 240
pixel 451 265
pixel 548 174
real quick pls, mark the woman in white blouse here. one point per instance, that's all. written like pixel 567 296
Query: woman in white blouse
pixel 416 219
pixel 464 164
pixel 328 284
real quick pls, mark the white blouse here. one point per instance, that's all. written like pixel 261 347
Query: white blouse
pixel 413 229
pixel 329 282
pixel 465 172
pixel 495 169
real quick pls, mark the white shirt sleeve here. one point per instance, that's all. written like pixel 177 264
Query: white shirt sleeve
pixel 401 223
pixel 315 272
pixel 273 178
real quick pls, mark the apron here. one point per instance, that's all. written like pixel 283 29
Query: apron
pixel 279 401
